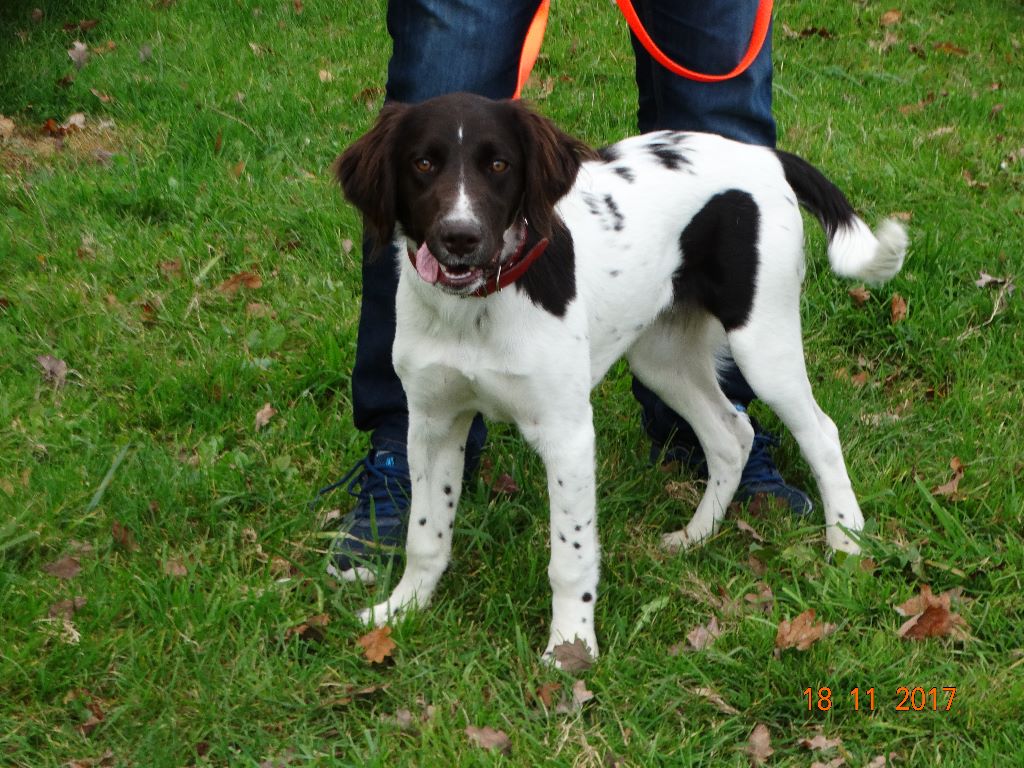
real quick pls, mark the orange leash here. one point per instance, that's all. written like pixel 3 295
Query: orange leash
pixel 535 36
pixel 531 46
pixel 762 22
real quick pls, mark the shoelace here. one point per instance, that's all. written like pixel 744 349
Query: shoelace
pixel 374 482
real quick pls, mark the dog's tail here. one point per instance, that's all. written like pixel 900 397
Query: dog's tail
pixel 854 251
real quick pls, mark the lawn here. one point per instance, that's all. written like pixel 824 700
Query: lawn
pixel 179 295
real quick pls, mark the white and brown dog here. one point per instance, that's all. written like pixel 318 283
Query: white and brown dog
pixel 531 263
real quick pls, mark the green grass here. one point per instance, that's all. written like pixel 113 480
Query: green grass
pixel 112 264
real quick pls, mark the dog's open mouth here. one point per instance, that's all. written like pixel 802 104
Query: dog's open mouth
pixel 456 277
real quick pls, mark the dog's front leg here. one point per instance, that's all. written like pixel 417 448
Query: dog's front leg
pixel 567 448
pixel 436 460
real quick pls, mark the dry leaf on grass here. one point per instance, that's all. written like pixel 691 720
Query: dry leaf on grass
pixel 835 762
pixel 759 745
pixel 377 645
pixel 949 488
pixel 930 616
pixel 174 567
pixel 310 629
pixel 716 700
pixel 264 415
pixel 573 657
pixel 880 761
pixel 54 371
pixel 897 309
pixel 65 609
pixel 545 693
pixel 744 526
pixel 488 738
pixel 763 600
pixel 801 633
pixel 580 695
pixel 233 284
pixel 123 537
pixel 703 636
pixel 889 18
pixel 65 568
pixel 820 742
pixel 860 295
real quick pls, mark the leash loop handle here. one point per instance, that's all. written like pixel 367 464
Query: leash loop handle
pixel 762 23
pixel 535 36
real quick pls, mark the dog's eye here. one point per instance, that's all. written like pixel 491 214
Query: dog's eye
pixel 499 166
pixel 423 165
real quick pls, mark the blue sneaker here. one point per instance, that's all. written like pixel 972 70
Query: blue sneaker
pixel 374 531
pixel 761 479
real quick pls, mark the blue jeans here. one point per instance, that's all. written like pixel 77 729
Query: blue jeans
pixel 444 46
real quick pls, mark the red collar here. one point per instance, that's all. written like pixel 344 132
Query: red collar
pixel 531 247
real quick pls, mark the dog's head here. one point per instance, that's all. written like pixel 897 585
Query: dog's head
pixel 456 176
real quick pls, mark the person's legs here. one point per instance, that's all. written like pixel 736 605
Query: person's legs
pixel 439 46
pixel 709 37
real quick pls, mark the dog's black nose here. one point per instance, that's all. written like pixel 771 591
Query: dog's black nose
pixel 461 239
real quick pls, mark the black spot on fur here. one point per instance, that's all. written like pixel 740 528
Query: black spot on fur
pixel 551 282
pixel 447 490
pixel 440 534
pixel 719 269
pixel 561 537
pixel 628 174
pixel 670 157
pixel 617 219
pixel 614 272
pixel 423 521
pixel 576 545
pixel 608 154
pixel 587 597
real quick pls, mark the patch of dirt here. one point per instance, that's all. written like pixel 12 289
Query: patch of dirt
pixel 25 148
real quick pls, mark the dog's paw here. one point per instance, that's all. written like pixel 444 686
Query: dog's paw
pixel 572 656
pixel 842 541
pixel 377 615
pixel 677 541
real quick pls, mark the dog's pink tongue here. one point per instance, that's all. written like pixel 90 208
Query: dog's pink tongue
pixel 427 265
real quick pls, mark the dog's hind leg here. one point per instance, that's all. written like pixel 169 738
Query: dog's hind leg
pixel 436 460
pixel 675 358
pixel 769 352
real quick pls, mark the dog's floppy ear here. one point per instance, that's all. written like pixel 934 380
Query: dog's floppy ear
pixel 366 171
pixel 552 160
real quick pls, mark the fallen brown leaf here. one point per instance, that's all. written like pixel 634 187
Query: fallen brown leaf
pixel 545 693
pixel 123 537
pixel 311 629
pixel 488 738
pixel 573 657
pixel 949 489
pixel 801 633
pixel 889 18
pixel 232 285
pixel 264 415
pixel 54 371
pixel 744 526
pixel 580 696
pixel 860 295
pixel 819 742
pixel 703 636
pixel 174 567
pixel 880 761
pixel 759 745
pixel 949 47
pixel 65 568
pixel 897 309
pixel 763 600
pixel 377 645
pixel 930 616
pixel 716 700
pixel 65 609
